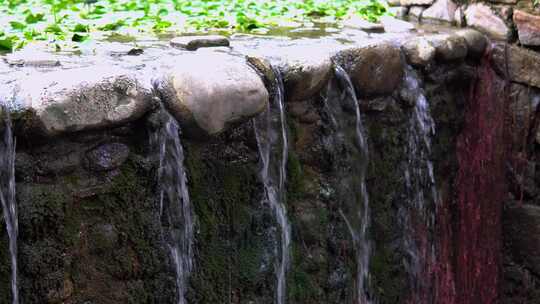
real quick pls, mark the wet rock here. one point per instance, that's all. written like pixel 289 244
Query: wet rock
pixel 83 99
pixel 103 237
pixel 419 51
pixel 459 17
pixel 416 2
pixel 32 58
pixel 24 167
pixel 306 72
pixel 116 49
pixel 378 104
pixel 207 94
pixel 528 26
pixel 298 109
pixel 522 108
pixel 504 1
pixel 192 43
pixel 393 25
pixel 59 163
pixel 107 156
pixel 374 70
pixel 415 12
pixel 476 42
pixel 399 11
pixel 264 68
pixel 135 52
pixel 523 64
pixel 523 234
pixel 441 10
pixel 450 47
pixel 483 18
pixel 362 24
pixel 304 112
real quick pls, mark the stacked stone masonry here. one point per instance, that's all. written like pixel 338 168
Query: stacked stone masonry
pixel 86 174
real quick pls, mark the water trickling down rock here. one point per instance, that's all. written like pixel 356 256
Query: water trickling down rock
pixel 175 206
pixel 271 133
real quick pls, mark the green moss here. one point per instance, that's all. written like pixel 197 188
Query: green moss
pixel 231 240
pixel 295 177
pixel 303 286
pixel 5 268
pixel 385 186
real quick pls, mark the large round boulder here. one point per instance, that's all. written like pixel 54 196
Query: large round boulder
pixel 81 99
pixel 306 72
pixel 207 94
pixel 374 69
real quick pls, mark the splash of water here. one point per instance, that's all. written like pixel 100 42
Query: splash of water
pixel 353 180
pixel 418 213
pixel 7 197
pixel 175 206
pixel 271 133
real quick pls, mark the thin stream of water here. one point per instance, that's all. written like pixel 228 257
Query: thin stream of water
pixel 271 132
pixel 7 197
pixel 353 180
pixel 418 214
pixel 175 206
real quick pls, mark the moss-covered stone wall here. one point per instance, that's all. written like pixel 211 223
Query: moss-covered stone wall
pixel 87 220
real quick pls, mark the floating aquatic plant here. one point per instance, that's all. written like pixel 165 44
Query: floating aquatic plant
pixel 69 22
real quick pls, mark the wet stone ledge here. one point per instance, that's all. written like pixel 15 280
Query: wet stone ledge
pixel 214 88
pixel 88 191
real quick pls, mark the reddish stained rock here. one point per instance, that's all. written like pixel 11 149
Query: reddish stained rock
pixel 481 189
pixel 528 26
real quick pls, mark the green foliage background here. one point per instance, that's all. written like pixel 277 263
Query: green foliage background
pixel 66 23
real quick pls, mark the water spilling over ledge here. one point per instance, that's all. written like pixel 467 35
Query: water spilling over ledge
pixel 7 197
pixel 291 211
pixel 271 133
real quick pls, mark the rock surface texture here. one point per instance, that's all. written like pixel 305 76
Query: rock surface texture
pixel 483 18
pixel 528 26
pixel 375 70
pixel 90 216
pixel 192 43
pixel 523 65
pixel 211 93
pixel 83 99
pixel 441 10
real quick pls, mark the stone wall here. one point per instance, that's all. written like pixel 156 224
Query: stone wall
pixel 514 27
pixel 87 187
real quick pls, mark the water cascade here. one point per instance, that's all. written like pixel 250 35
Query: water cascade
pixel 175 206
pixel 418 213
pixel 351 162
pixel 7 197
pixel 271 133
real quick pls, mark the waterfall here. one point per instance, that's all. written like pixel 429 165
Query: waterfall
pixel 271 132
pixel 7 197
pixel 351 161
pixel 418 213
pixel 174 204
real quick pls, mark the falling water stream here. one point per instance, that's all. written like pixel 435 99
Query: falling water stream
pixel 271 133
pixel 350 143
pixel 418 213
pixel 175 206
pixel 7 197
